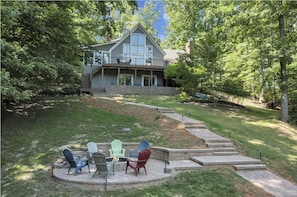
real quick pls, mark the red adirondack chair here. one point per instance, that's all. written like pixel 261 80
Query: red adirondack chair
pixel 140 162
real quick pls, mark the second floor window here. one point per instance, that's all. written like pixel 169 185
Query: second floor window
pixel 138 48
pixel 126 52
pixel 138 39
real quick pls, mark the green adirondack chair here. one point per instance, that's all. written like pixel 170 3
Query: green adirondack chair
pixel 116 149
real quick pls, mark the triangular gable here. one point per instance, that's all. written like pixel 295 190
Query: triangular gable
pixel 140 26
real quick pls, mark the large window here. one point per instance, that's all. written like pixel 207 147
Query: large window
pixel 126 52
pixel 138 48
pixel 138 39
pixel 138 51
pixel 126 79
pixel 97 58
pixel 100 58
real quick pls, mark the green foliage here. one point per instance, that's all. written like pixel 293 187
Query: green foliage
pixel 41 43
pixel 9 88
pixel 237 44
pixel 182 97
pixel 147 16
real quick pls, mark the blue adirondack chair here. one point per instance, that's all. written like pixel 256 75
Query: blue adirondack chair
pixel 142 146
pixel 116 149
pixel 75 163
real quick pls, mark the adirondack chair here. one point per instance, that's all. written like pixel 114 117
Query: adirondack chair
pixel 103 168
pixel 140 162
pixel 92 148
pixel 75 163
pixel 143 145
pixel 116 149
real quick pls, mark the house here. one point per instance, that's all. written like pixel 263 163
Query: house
pixel 133 64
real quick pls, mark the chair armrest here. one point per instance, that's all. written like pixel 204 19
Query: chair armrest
pixel 110 152
pixel 84 159
pixel 133 150
pixel 76 158
pixel 132 159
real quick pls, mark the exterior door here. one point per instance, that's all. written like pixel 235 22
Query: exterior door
pixel 146 80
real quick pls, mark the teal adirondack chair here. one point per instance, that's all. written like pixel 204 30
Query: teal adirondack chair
pixel 116 149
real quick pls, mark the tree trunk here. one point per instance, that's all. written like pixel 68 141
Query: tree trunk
pixel 283 76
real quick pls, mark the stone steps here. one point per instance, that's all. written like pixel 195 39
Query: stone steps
pixel 250 167
pixel 191 125
pixel 165 110
pixel 224 149
pixel 219 145
pixel 182 165
pixel 226 153
pixel 225 160
pixel 217 140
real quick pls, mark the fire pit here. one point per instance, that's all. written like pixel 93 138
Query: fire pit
pixel 119 164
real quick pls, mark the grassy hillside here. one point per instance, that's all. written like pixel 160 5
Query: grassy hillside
pixel 32 135
pixel 252 129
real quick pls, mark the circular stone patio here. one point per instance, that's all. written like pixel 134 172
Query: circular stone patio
pixel 180 160
pixel 120 180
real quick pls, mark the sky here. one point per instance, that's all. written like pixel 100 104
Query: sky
pixel 163 20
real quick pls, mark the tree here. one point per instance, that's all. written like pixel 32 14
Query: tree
pixel 241 45
pixel 147 16
pixel 41 41
pixel 201 24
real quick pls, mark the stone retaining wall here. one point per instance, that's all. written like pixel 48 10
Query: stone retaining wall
pixel 142 90
pixel 158 152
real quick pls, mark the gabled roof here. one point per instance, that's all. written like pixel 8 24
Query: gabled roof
pixel 140 26
pixel 172 55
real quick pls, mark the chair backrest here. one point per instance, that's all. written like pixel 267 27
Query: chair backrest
pixel 116 146
pixel 100 162
pixel 143 145
pixel 69 157
pixel 92 147
pixel 143 157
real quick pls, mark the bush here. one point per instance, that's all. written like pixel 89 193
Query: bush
pixel 71 90
pixel 182 97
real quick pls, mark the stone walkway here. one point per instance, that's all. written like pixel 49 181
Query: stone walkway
pixel 251 169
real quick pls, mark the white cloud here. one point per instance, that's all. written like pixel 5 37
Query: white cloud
pixel 162 37
pixel 165 16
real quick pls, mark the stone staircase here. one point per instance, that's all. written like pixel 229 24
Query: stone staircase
pixel 191 125
pixel 233 160
pixel 224 151
pixel 225 154
pixel 250 167
pixel 221 146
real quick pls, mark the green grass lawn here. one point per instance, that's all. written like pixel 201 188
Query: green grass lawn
pixel 252 130
pixel 31 139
